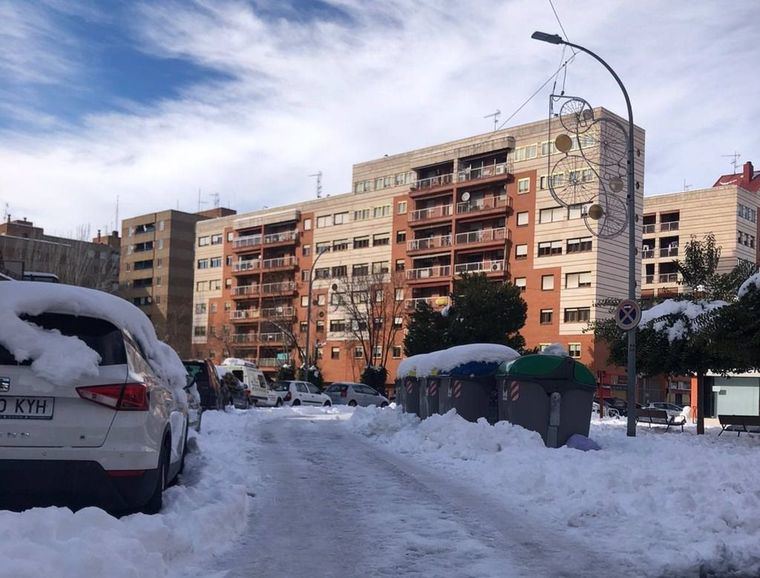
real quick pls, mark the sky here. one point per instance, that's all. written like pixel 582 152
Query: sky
pixel 163 104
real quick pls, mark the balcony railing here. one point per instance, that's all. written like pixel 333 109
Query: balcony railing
pixel 281 287
pixel 246 266
pixel 649 280
pixel 429 213
pixel 267 362
pixel 436 181
pixel 284 312
pixel 441 301
pixel 246 241
pixel 429 243
pixel 278 262
pixel 484 172
pixel 650 228
pixel 480 267
pixel 239 314
pixel 484 204
pixel 669 226
pixel 647 253
pixel 258 337
pixel 669 252
pixel 429 272
pixel 242 290
pixel 481 236
pixel 283 237
pixel 668 277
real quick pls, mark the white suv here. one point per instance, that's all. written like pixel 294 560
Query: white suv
pixel 299 393
pixel 92 407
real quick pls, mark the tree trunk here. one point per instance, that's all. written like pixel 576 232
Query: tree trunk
pixel 700 403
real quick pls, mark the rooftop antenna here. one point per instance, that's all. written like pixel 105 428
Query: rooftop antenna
pixel 318 174
pixel 735 162
pixel 495 116
pixel 215 197
pixel 200 202
pixel 686 187
pixel 116 216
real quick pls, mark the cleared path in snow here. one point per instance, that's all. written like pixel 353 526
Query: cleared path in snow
pixel 332 504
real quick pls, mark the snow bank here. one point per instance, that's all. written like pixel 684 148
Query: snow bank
pixel 682 313
pixel 200 517
pixel 447 359
pixel 658 501
pixel 63 360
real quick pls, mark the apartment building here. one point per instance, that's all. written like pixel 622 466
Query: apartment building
pixel 728 209
pixel 480 204
pixel 157 270
pixel 26 249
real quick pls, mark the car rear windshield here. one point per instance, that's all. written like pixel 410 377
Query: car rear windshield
pixel 99 335
pixel 281 386
pixel 197 369
pixel 336 387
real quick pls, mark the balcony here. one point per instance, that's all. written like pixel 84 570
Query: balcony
pixel 424 273
pixel 438 242
pixel 258 338
pixel 669 252
pixel 270 362
pixel 283 237
pixel 434 182
pixel 490 266
pixel 649 229
pixel 434 302
pixel 481 236
pixel 284 312
pixel 430 213
pixel 484 204
pixel 278 288
pixel 246 242
pixel 669 226
pixel 279 263
pixel 647 253
pixel 245 291
pixel 243 266
pixel 484 172
pixel 244 314
pixel 669 278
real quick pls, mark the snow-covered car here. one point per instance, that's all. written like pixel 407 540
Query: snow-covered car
pixel 194 408
pixel 671 408
pixel 300 393
pixel 214 394
pixel 93 410
pixel 353 394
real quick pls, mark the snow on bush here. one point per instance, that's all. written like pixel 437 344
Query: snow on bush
pixel 447 359
pixel 752 281
pixel 201 517
pixel 687 312
pixel 661 500
pixel 63 360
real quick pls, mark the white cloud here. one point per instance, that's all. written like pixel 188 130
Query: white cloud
pixel 390 77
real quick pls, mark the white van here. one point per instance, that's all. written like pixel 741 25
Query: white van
pixel 250 375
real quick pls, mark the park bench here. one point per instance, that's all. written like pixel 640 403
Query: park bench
pixel 659 417
pixel 739 423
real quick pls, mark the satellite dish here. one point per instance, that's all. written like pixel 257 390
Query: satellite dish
pixel 465 196
pixel 334 286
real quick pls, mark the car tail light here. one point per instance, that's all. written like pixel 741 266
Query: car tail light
pixel 127 397
pixel 288 396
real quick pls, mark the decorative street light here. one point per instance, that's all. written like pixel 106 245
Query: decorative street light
pixel 631 334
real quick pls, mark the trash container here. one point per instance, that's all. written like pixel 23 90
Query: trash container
pixel 549 394
pixel 429 396
pixel 471 389
pixel 407 394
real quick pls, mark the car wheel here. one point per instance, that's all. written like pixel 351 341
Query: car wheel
pixel 327 404
pixel 296 402
pixel 352 403
pixel 156 500
pixel 279 403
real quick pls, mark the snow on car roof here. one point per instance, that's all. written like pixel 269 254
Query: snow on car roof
pixel 63 360
pixel 447 359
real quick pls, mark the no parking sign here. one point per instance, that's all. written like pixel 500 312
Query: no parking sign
pixel 628 315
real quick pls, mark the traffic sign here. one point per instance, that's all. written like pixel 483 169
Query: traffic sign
pixel 628 314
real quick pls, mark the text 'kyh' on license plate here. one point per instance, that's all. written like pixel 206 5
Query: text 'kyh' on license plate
pixel 26 407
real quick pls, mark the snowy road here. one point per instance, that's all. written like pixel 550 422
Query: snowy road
pixel 330 503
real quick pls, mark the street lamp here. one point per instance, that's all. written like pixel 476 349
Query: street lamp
pixel 308 306
pixel 631 334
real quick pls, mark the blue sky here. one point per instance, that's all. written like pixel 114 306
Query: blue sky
pixel 154 101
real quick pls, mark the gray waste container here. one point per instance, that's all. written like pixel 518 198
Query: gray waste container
pixel 471 390
pixel 429 396
pixel 407 394
pixel 549 394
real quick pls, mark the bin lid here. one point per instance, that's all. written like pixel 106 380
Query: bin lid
pixel 546 368
pixel 472 359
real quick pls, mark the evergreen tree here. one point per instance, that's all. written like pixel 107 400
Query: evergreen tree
pixel 427 331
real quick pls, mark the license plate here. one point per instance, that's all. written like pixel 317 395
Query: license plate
pixel 26 407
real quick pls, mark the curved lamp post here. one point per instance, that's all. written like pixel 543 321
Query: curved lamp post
pixel 631 334
pixel 308 307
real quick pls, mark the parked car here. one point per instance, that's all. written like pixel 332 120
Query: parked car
pixel 300 393
pixel 274 398
pixel 194 409
pixel 353 394
pixel 94 414
pixel 608 411
pixel 240 393
pixel 214 394
pixel 670 408
pixel 251 376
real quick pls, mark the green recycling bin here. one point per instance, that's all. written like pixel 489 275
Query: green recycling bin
pixel 549 394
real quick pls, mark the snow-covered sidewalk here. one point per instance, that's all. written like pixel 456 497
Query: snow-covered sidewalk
pixel 661 503
pixel 201 515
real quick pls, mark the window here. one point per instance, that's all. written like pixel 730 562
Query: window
pixel 401 207
pixel 523 186
pixel 335 353
pixel 546 316
pixel 202 264
pixel 201 286
pixel 547 282
pixel 306 250
pixel 396 352
pixel 320 326
pixel 337 326
pixel 307 224
pixel 324 221
pixel 302 326
pixel 577 314
pixel 380 267
pixel 229 260
pixel 322 273
pixel 574 349
pixel 578 210
pixel 377 351
pixel 336 299
pixel 521 283
pixel 203 241
pixel 400 264
pixel 340 245
pixel 521 251
pixel 304 300
pixel 216 284
pixel 340 218
pixel 230 236
pixel 383 211
pixel 358 352
pixel 361 215
pixel 323 247
pixel 551 215
pixel 228 283
pixel 217 239
pixel 360 270
pixel 549 248
pixel 399 294
pixel 381 239
pixel 400 236
pixel 363 186
pixel 199 331
pixel 361 242
pixel 158 281
pixel 339 271
pixel 160 244
pixel 200 308
pixel 522 219
pixel 213 308
pixel 142 265
pixel 147 282
pixel 398 321
pixel 576 280
pixel 322 299
pixel 579 245
pixel 215 262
